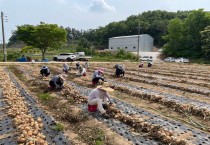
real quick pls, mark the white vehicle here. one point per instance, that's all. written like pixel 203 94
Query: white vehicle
pixel 81 56
pixel 146 58
pixel 169 59
pixel 65 56
pixel 183 60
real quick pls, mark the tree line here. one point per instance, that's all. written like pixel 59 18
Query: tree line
pixel 180 34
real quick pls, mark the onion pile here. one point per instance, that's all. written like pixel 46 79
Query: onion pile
pixel 153 130
pixel 169 103
pixel 69 92
pixel 29 129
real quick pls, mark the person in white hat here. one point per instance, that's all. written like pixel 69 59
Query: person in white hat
pixel 66 68
pixel 45 71
pixel 57 82
pixel 99 95
pixel 97 75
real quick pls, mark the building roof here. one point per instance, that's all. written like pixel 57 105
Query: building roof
pixel 130 36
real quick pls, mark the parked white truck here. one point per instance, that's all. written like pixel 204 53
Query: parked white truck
pixel 81 56
pixel 71 56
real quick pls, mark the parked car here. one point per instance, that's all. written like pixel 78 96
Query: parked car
pixel 183 60
pixel 169 59
pixel 81 56
pixel 65 56
pixel 146 58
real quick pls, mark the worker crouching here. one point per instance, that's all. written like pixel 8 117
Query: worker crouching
pixel 97 75
pixel 120 70
pixel 45 71
pixel 81 72
pixel 98 96
pixel 57 82
pixel 66 68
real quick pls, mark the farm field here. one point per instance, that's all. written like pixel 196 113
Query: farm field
pixel 166 104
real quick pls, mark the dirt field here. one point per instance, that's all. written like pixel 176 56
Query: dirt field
pixel 166 104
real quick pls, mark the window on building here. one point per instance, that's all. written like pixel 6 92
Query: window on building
pixel 134 47
pixel 126 47
pixel 111 47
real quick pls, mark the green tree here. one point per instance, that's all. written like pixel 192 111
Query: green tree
pixel 175 38
pixel 84 43
pixel 205 37
pixel 196 21
pixel 184 38
pixel 42 36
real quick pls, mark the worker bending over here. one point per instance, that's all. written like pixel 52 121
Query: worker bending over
pixel 120 70
pixel 57 82
pixel 66 68
pixel 45 71
pixel 81 71
pixel 77 65
pixel 97 75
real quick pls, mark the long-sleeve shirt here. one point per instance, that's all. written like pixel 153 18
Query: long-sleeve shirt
pixel 96 74
pixel 97 93
pixel 65 66
pixel 56 79
pixel 45 69
pixel 83 71
pixel 118 66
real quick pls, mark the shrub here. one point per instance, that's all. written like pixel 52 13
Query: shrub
pixel 13 56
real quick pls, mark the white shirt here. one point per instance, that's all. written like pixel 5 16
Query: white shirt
pixel 97 93
pixel 81 72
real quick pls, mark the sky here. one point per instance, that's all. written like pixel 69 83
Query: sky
pixel 84 14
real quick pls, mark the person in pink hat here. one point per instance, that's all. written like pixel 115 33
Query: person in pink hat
pixel 97 75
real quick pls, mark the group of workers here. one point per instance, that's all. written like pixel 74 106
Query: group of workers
pixel 98 96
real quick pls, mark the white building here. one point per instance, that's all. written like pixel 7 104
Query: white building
pixel 130 43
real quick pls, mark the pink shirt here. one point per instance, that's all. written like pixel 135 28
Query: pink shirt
pixel 97 93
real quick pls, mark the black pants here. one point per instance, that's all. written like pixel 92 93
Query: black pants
pixel 149 65
pixel 53 85
pixel 44 73
pixel 66 71
pixel 97 79
pixel 119 72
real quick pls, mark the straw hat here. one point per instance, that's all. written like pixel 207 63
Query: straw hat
pixel 105 87
pixel 62 77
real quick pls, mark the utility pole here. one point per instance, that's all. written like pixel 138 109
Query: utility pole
pixel 4 45
pixel 138 40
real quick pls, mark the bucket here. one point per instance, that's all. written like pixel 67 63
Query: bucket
pixel 92 108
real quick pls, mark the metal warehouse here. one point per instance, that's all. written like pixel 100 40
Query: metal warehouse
pixel 130 43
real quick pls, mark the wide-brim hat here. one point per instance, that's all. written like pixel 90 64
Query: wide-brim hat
pixel 62 77
pixel 105 86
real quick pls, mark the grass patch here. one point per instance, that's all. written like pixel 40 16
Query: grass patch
pixel 45 97
pixel 59 127
pixel 92 135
